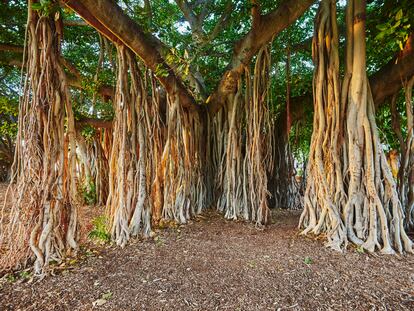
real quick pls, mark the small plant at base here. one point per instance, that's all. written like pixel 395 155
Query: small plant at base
pixel 360 249
pixel 11 278
pixel 100 231
pixel 252 264
pixel 25 274
pixel 158 241
pixel 107 295
pixel 308 260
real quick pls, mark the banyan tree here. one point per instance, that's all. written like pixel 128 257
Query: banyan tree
pixel 351 194
pixel 177 142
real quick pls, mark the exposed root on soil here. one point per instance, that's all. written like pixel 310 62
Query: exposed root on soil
pixel 351 194
pixel 242 140
pixel 43 220
pixel 156 169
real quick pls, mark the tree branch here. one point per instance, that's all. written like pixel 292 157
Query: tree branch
pixel 74 79
pixel 75 23
pixel 388 80
pixel 97 123
pixel 11 48
pixel 262 33
pixel 107 17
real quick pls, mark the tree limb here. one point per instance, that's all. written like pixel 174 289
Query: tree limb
pixel 97 123
pixel 107 17
pixel 75 79
pixel 388 80
pixel 269 25
pixel 11 48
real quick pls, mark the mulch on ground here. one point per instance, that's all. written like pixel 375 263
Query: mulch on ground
pixel 214 264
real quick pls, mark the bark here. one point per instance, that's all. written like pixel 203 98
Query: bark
pixel 264 29
pixel 109 19
pixel 351 194
pixel 43 220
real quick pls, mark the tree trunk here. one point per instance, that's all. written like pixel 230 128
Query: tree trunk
pixel 350 187
pixel 43 220
pixel 242 140
pixel 406 168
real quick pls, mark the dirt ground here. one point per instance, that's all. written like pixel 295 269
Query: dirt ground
pixel 214 264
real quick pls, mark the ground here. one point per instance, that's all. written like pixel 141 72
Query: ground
pixel 214 264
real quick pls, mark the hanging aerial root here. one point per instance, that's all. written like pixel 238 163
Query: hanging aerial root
pixel 242 140
pixel 42 226
pixel 93 167
pixel 409 157
pixel 324 191
pixel 405 184
pixel 127 210
pixel 156 169
pixel 351 194
pixel 185 182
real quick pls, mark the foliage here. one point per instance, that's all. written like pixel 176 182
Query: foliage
pixel 100 230
pixel 388 23
pixel 89 191
pixel 397 27
pixel 88 132
pixel 8 117
pixel 45 7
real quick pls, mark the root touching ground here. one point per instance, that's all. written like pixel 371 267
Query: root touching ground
pixel 43 221
pixel 351 194
pixel 242 140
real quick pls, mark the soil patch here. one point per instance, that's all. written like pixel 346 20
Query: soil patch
pixel 214 264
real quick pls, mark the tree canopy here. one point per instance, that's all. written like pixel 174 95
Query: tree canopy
pixel 197 38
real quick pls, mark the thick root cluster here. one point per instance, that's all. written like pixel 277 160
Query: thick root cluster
pixel 242 143
pixel 42 226
pixel 351 194
pixel 156 166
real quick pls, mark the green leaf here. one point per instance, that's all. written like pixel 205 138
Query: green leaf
pixel 160 71
pixel 45 3
pixel 398 23
pixel 107 296
pixel 36 6
pixel 382 27
pixel 399 15
pixel 360 249
pixel 380 36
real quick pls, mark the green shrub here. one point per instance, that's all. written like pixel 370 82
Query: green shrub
pixel 100 230
pixel 89 192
